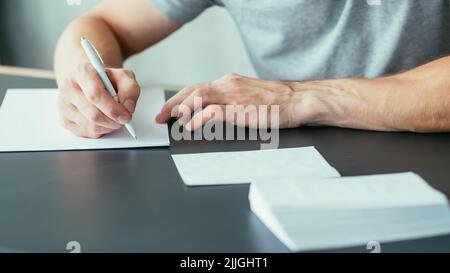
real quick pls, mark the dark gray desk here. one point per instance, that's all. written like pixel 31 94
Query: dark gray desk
pixel 134 200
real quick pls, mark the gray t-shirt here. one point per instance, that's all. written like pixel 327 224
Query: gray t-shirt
pixel 315 39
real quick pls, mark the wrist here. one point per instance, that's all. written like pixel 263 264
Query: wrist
pixel 311 102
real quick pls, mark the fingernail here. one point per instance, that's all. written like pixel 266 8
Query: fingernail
pixel 123 120
pixel 129 105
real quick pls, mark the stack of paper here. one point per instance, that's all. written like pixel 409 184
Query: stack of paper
pixel 350 211
pixel 245 167
pixel 30 122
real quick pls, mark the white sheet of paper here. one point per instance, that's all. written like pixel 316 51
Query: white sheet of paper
pixel 350 211
pixel 29 121
pixel 245 167
pixel 357 192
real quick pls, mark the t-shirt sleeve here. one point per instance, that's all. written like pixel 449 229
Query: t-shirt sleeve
pixel 182 11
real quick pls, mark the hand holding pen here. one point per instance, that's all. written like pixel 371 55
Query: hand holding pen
pixel 88 109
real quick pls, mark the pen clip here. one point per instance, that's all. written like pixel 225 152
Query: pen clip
pixel 96 52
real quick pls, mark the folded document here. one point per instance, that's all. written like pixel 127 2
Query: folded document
pixel 349 211
pixel 247 166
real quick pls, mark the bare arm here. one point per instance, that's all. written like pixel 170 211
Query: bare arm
pixel 417 100
pixel 118 29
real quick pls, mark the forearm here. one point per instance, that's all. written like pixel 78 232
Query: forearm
pixel 418 100
pixel 69 53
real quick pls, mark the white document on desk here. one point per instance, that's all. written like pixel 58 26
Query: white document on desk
pixel 29 121
pixel 245 167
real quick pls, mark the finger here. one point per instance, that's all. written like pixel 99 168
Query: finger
pixel 198 98
pixel 201 97
pixel 96 130
pixel 89 111
pixel 83 127
pixel 242 116
pixel 166 111
pixel 82 131
pixel 212 113
pixel 127 86
pixel 96 94
pixel 92 130
pixel 70 112
pixel 73 127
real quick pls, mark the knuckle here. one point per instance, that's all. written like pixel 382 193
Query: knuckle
pixel 85 72
pixel 200 92
pixel 92 96
pixel 114 110
pixel 96 116
pixel 197 93
pixel 234 80
pixel 232 77
pixel 128 73
pixel 83 67
pixel 203 92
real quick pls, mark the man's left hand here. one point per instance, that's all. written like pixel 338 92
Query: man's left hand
pixel 236 90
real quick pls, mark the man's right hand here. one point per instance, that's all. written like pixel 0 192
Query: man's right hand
pixel 86 107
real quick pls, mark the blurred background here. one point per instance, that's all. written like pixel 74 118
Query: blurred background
pixel 202 50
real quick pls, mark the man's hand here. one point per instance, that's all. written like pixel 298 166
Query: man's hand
pixel 86 107
pixel 235 90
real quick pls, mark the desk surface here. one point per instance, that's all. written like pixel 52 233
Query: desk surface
pixel 135 201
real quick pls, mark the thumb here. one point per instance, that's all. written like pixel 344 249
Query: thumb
pixel 127 87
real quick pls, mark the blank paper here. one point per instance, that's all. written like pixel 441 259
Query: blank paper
pixel 247 166
pixel 29 121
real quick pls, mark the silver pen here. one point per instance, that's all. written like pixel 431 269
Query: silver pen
pixel 97 63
